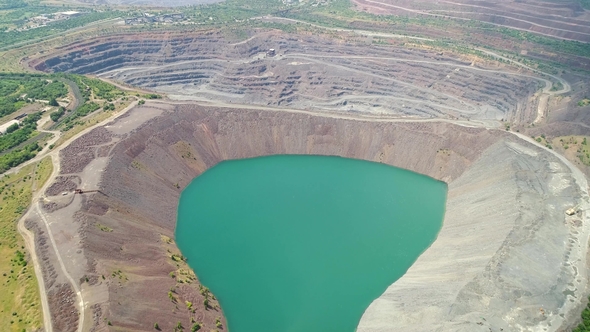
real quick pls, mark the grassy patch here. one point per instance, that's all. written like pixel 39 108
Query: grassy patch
pixel 104 228
pixel 20 308
pixel 575 147
pixel 584 102
pixel 43 171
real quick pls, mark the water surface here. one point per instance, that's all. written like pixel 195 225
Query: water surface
pixel 305 243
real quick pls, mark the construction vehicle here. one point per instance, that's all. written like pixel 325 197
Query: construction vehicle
pixel 80 191
pixel 572 211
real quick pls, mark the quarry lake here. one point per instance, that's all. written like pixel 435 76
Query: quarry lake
pixel 305 243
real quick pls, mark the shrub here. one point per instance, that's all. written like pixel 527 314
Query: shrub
pixel 12 128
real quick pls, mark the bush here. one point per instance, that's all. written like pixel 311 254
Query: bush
pixel 12 128
pixel 53 102
pixel 57 114
pixel 17 157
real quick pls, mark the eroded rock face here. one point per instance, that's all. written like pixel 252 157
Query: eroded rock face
pixel 504 252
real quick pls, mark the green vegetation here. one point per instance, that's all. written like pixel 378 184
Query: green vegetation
pixel 16 90
pixel 16 134
pixel 18 156
pixel 57 114
pixel 12 128
pixel 83 110
pixel 584 153
pixel 43 171
pixel 218 323
pixel 92 91
pixel 20 308
pixel 104 228
pixel 21 134
pixel 13 37
pixel 19 89
pixel 11 4
pixel 557 86
pixel 585 324
pixel 577 143
pixel 96 87
pixel 119 274
pixel 584 102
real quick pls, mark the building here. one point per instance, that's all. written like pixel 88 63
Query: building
pixel 5 126
pixel 66 15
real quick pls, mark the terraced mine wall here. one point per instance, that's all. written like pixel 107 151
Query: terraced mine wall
pixel 349 74
pixel 506 257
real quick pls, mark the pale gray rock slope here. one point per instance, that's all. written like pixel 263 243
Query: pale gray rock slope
pixel 503 259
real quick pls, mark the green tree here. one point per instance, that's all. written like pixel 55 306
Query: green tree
pixel 12 128
pixel 53 102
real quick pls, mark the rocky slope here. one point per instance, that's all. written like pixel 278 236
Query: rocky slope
pixel 308 72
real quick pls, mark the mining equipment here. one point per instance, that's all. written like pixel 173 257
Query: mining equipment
pixel 572 211
pixel 80 191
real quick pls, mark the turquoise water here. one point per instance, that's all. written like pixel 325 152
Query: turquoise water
pixel 305 243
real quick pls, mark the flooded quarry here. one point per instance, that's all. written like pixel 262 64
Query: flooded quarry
pixel 312 239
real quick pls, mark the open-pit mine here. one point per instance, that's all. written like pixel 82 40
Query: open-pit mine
pixel 507 258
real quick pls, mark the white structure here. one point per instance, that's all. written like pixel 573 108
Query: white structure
pixel 5 126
